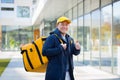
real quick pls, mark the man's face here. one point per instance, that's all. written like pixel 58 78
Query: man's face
pixel 63 27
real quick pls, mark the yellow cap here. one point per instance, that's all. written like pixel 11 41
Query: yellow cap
pixel 62 19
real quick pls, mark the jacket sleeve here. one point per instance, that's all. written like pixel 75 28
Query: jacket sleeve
pixel 49 48
pixel 74 50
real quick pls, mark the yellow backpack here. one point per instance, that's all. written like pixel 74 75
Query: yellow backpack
pixel 33 59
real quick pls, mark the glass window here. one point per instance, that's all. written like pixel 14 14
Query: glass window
pixel 47 28
pixel 105 38
pixel 70 14
pixel 74 24
pixel 70 17
pixel 116 37
pixel 14 36
pixel 73 29
pixel 0 37
pixel 7 1
pixel 23 11
pixel 25 34
pixel 75 12
pixel 10 39
pixel 80 36
pixel 95 38
pixel 86 39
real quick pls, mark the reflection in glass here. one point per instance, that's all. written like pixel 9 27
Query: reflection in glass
pixel 74 24
pixel 14 36
pixel 95 38
pixel 105 38
pixel 70 14
pixel 116 37
pixel 23 11
pixel 73 29
pixel 80 36
pixel 86 39
pixel 74 33
pixel 0 37
pixel 74 12
pixel 26 34
pixel 70 17
pixel 10 38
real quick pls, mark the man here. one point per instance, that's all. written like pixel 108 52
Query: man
pixel 59 48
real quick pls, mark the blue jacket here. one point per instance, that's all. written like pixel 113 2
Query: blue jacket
pixel 58 57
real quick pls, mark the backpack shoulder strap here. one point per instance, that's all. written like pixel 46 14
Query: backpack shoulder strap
pixel 59 38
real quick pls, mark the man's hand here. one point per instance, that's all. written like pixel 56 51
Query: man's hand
pixel 64 46
pixel 77 45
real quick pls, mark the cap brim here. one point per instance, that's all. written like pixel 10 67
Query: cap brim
pixel 68 21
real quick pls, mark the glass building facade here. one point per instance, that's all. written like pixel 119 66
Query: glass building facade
pixel 95 24
pixel 14 36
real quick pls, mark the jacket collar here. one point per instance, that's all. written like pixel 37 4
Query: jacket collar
pixel 57 31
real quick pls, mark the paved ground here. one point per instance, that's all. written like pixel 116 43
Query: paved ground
pixel 15 71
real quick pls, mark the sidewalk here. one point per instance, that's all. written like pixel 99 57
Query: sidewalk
pixel 15 71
